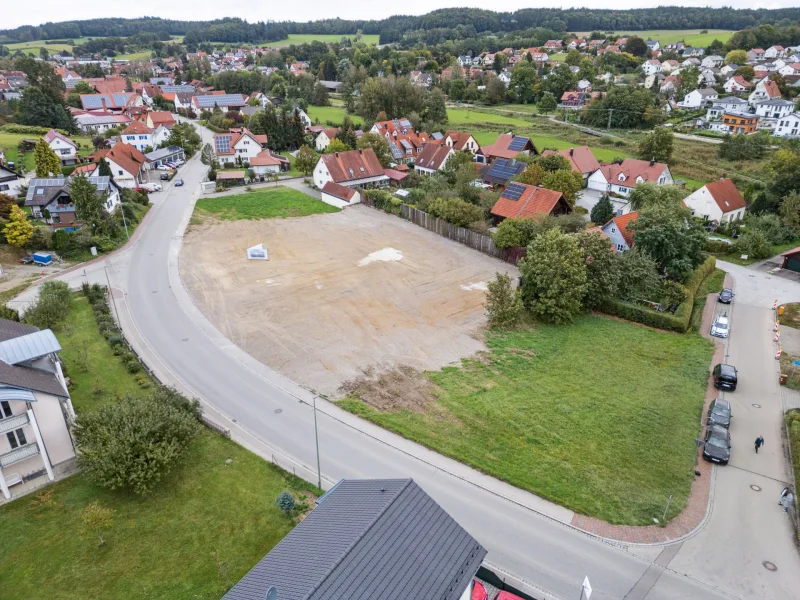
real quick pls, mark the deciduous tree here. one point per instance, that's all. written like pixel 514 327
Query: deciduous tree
pixel 18 231
pixel 602 269
pixel 503 303
pixel 306 160
pixel 568 183
pixel 657 145
pixel 378 144
pixel 673 242
pixel 88 204
pixel 336 145
pixel 47 162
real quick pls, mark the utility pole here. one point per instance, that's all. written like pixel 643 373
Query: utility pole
pixel 610 112
pixel 111 293
pixel 316 439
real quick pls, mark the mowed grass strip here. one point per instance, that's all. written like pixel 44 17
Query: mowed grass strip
pixel 271 203
pixel 334 114
pixel 599 416
pixel 206 524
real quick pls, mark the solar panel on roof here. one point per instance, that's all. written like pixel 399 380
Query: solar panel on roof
pixel 222 143
pixel 518 143
pixel 513 192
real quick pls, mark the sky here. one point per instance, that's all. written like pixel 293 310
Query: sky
pixel 14 14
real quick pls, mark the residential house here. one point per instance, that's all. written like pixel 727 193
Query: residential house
pixel 240 143
pixel 268 162
pixel 354 168
pixel 790 69
pixel 766 89
pixel 50 201
pixel 128 165
pixel 691 62
pixel 157 118
pixel 755 54
pixel 35 410
pixel 580 159
pixel 369 539
pixel 653 45
pixel 10 181
pixel 621 42
pixel 729 103
pixel 708 77
pixel 776 108
pixel 736 122
pixel 339 195
pixel 622 178
pixel 115 102
pixel 553 45
pixel 142 137
pixel 222 101
pixel 501 171
pixel 505 77
pixel 521 200
pixel 728 70
pixel 584 85
pixel 775 52
pixel 64 147
pixel 100 121
pixel 737 85
pixel 651 67
pixel 717 201
pixel 693 52
pixel 676 47
pixel 574 99
pixel 460 140
pixel 669 86
pixel 433 158
pixel 616 230
pixel 791 260
pixel 420 79
pixel 507 145
pixel 404 143
pixel 698 99
pixel 464 61
pixel 670 65
pixel 324 138
pixel 788 127
pixel 712 61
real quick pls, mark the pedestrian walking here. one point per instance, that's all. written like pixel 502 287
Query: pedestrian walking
pixel 786 501
pixel 784 491
pixel 759 442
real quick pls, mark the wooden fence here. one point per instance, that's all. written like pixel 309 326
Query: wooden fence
pixel 477 241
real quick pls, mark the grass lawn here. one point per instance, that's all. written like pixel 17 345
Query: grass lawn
pixel 32 48
pixel 692 37
pixel 292 172
pixel 10 141
pixel 557 57
pixel 791 315
pixel 200 531
pixel 267 203
pixel 464 116
pixel 737 259
pixel 307 38
pixel 143 55
pixel 523 108
pixel 599 416
pixel 334 114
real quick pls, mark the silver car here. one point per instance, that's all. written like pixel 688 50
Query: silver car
pixel 721 326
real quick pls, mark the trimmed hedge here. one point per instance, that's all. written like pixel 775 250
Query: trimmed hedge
pixel 664 320
pixel 28 129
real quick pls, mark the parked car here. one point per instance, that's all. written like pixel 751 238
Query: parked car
pixel 26 260
pixel 151 187
pixel 506 596
pixel 163 167
pixel 164 177
pixel 717 445
pixel 725 377
pixel 171 165
pixel 179 162
pixel 719 413
pixel 725 296
pixel 720 326
pixel 479 591
pixel 179 182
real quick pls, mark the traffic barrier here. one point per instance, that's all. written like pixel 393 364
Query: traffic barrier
pixel 777 336
pixel 776 326
pixel 778 353
pixel 775 304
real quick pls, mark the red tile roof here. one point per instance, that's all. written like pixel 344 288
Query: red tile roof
pixel 53 134
pixel 433 156
pixel 533 201
pixel 622 223
pixel 633 169
pixel 126 156
pixel 161 117
pixel 771 88
pixel 338 191
pixel 460 138
pixel 353 165
pixel 726 195
pixel 136 127
pixel 266 158
pixel 394 174
pixel 742 81
pixel 581 158
pixel 500 147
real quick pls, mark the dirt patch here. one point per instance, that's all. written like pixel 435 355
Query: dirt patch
pixel 403 388
pixel 340 294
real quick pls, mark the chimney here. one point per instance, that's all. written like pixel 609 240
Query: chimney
pixel 571 151
pixel 336 154
pixel 360 151
pixel 652 161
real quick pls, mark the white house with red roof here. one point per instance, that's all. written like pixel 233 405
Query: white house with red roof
pixel 433 158
pixel 127 164
pixel 141 137
pixel 354 168
pixel 651 67
pixel 766 89
pixel 238 143
pixel 65 148
pixel 718 201
pixel 737 85
pixel 616 230
pixel 622 178
pixel 775 52
pixel 339 196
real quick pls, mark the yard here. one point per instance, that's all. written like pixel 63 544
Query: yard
pixel 466 116
pixel 341 293
pixel 266 203
pixel 738 260
pixel 10 141
pixel 333 114
pixel 599 416
pixel 201 530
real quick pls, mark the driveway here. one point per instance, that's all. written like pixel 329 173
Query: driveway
pixel 529 540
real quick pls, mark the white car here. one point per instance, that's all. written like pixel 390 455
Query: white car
pixel 151 187
pixel 163 168
pixel 721 326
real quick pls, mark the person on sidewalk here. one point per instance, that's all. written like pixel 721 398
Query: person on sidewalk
pixel 784 491
pixel 759 442
pixel 786 501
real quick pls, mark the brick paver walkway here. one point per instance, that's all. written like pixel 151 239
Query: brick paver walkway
pixel 698 502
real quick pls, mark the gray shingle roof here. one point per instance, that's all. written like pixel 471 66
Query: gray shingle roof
pixel 11 329
pixel 369 539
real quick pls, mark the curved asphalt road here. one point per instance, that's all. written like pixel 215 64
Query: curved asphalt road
pixel 532 546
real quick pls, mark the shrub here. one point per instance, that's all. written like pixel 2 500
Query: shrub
pixel 52 306
pixel 503 304
pixel 754 244
pixel 133 443
pixel 455 211
pixel 285 502
pixel 718 247
pixel 42 238
pixel 641 314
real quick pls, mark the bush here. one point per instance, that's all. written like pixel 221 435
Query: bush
pixel 503 303
pixel 717 247
pixel 641 314
pixel 52 306
pixel 28 129
pixel 754 244
pixel 42 239
pixel 285 502
pixel 455 211
pixel 133 443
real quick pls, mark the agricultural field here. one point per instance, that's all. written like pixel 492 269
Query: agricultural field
pixel 143 55
pixel 307 38
pixel 467 116
pixel 334 114
pixel 692 37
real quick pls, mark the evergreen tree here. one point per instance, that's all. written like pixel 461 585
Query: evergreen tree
pixel 18 231
pixel 603 211
pixel 88 205
pixel 47 162
pixel 104 170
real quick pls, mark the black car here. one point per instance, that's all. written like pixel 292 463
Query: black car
pixel 165 177
pixel 725 296
pixel 178 182
pixel 725 377
pixel 719 413
pixel 26 260
pixel 717 445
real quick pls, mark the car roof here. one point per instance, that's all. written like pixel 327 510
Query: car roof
pixel 726 368
pixel 718 430
pixel 727 290
pixel 721 402
pixel 722 319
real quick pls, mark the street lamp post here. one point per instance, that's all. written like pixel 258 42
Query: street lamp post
pixel 316 440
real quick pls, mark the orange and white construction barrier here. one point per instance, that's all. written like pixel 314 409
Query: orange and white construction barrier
pixel 777 336
pixel 776 326
pixel 778 353
pixel 775 304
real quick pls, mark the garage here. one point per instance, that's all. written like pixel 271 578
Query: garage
pixel 791 260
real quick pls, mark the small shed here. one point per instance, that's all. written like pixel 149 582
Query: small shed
pixel 791 260
pixel 339 195
pixel 231 178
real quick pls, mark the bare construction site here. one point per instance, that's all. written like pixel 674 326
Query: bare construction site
pixel 342 295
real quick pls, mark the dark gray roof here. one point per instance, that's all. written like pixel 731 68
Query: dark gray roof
pixel 368 539
pixel 31 379
pixel 11 329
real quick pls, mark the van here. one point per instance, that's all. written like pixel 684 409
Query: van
pixel 725 377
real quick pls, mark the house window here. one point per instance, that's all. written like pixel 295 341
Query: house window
pixel 613 230
pixel 16 438
pixel 620 247
pixel 3 187
pixel 5 410
pixel 119 172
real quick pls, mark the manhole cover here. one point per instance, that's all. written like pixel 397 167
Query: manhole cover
pixel 155 291
pixel 769 566
pixel 185 340
pixel 755 488
pixel 278 411
pixel 756 406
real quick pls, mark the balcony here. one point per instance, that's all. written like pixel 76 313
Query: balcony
pixel 13 422
pixel 19 454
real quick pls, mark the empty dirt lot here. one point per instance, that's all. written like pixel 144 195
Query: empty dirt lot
pixel 340 294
